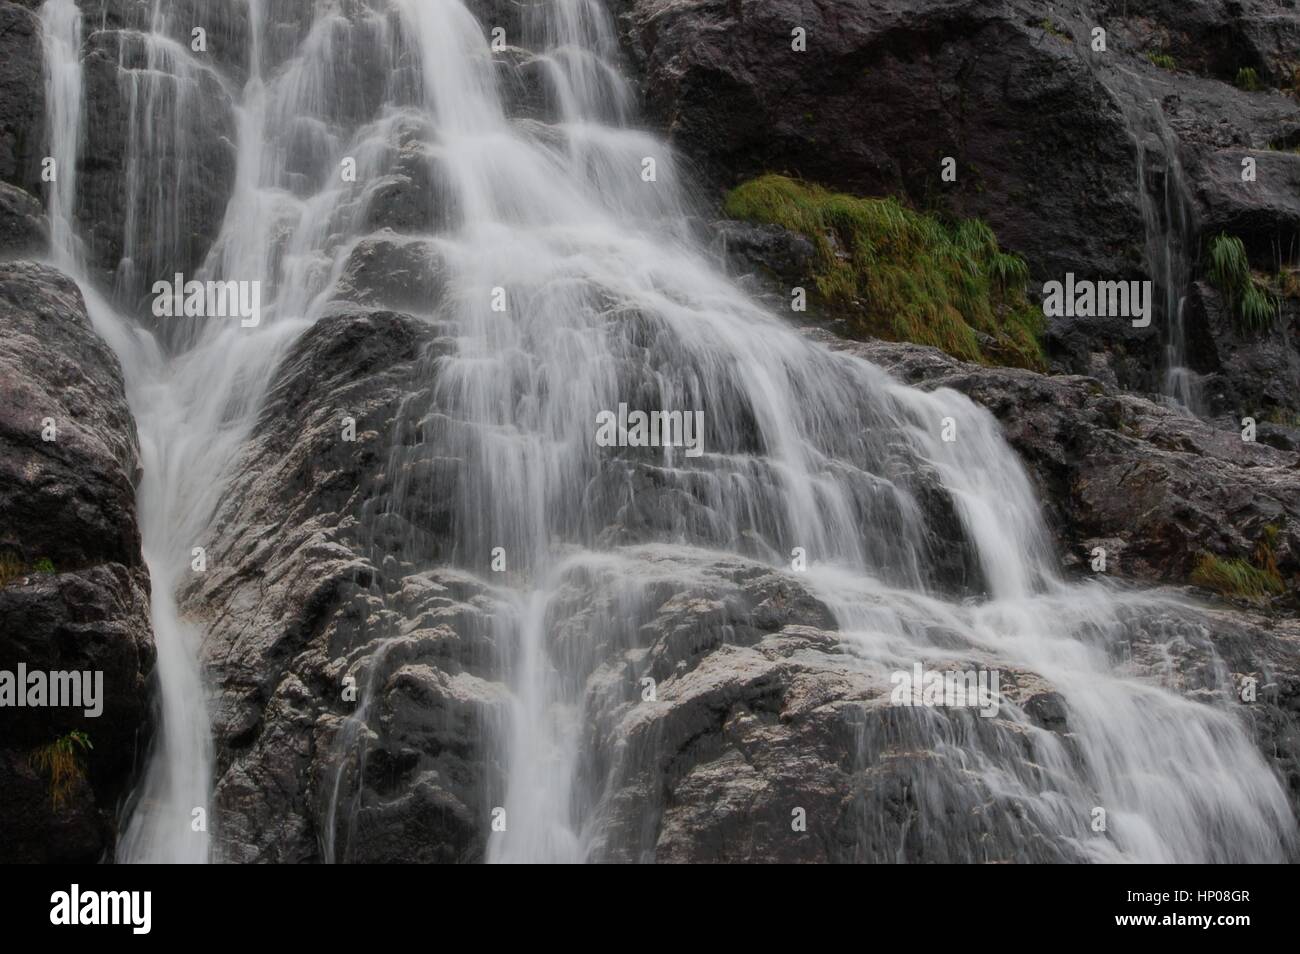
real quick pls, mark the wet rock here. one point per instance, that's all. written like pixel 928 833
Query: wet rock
pixel 887 90
pixel 71 499
pixel 1155 486
pixel 387 271
pixel 134 235
pixel 312 590
pixel 22 96
pixel 22 222
pixel 1245 373
pixel 226 30
pixel 784 255
pixel 1048 134
pixel 415 196
pixel 74 592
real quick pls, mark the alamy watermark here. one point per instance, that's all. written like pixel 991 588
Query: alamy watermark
pixel 212 299
pixel 1089 299
pixel 74 907
pixel 58 689
pixel 626 428
pixel 971 688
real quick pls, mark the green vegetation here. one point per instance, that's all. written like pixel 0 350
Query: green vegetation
pixel 1162 60
pixel 1229 270
pixel 921 280
pixel 1055 29
pixel 1236 578
pixel 1281 415
pixel 1247 79
pixel 1240 579
pixel 12 568
pixel 1288 280
pixel 61 760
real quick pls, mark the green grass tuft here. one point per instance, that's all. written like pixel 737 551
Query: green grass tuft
pixel 61 760
pixel 921 280
pixel 1247 79
pixel 1237 578
pixel 1229 270
pixel 1163 60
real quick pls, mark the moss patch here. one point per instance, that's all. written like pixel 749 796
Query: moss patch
pixel 11 568
pixel 921 280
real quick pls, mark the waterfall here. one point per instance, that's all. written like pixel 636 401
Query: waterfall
pixel 1169 232
pixel 573 282
pixel 1168 223
pixel 61 47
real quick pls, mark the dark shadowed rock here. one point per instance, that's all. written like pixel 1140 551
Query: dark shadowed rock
pixel 306 593
pixel 1245 373
pixel 22 222
pixel 22 95
pixel 149 204
pixel 74 594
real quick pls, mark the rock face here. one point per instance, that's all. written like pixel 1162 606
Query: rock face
pixel 22 95
pixel 295 606
pixel 75 593
pixel 1083 161
pixel 22 222
pixel 151 204
pixel 363 685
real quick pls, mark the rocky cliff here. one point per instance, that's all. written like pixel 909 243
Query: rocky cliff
pixel 74 592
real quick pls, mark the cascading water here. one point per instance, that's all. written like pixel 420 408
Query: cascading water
pixel 569 282
pixel 1168 225
pixel 1169 232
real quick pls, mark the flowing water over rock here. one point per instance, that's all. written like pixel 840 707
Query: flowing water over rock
pixel 503 199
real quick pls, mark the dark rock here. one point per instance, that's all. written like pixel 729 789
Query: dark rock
pixel 70 501
pixel 886 91
pixel 22 96
pixel 392 272
pixel 130 95
pixel 225 26
pixel 1245 373
pixel 1082 161
pixel 782 254
pixel 415 197
pixel 22 222
pixel 299 765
